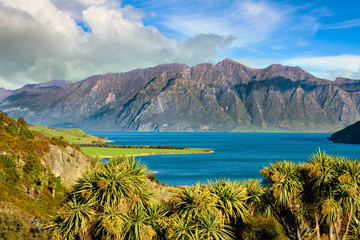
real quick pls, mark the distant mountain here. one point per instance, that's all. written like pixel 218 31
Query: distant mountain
pixel 52 83
pixel 228 96
pixel 4 93
pixel 351 134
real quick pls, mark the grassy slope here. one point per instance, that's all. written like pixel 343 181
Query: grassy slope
pixel 72 135
pixel 109 152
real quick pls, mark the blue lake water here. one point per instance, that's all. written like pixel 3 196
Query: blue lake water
pixel 237 156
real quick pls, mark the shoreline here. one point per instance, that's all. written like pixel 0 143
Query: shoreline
pixel 147 154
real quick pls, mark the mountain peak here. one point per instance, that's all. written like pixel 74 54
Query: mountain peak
pixel 52 83
pixel 4 93
pixel 231 62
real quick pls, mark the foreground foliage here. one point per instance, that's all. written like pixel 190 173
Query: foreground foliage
pixel 118 201
pixel 318 199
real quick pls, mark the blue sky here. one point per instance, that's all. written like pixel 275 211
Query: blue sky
pixel 273 31
pixel 41 40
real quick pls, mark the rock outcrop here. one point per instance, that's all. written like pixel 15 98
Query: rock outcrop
pixel 66 163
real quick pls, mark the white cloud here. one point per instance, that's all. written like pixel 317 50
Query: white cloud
pixel 278 47
pixel 41 41
pixel 329 67
pixel 346 24
pixel 248 22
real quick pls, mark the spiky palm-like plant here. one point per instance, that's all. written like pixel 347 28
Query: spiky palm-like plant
pixel 255 192
pixel 109 224
pixel 156 214
pixel 210 227
pixel 196 200
pixel 73 219
pixel 137 226
pixel 120 188
pixel 231 199
pixel 120 178
pixel 182 228
pixel 285 190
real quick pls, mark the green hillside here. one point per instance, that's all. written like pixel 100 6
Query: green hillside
pixel 71 135
pixel 28 190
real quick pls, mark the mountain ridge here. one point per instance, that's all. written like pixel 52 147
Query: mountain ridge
pixel 206 97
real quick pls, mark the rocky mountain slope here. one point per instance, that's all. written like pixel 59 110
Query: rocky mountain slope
pixel 227 96
pixel 4 93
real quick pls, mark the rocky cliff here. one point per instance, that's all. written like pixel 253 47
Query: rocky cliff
pixel 66 163
pixel 228 96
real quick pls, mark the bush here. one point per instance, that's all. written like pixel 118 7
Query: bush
pixel 17 224
pixel 13 129
pixel 22 121
pixel 8 172
pixel 261 228
pixel 33 173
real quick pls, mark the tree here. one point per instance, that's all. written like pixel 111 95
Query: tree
pixel 284 196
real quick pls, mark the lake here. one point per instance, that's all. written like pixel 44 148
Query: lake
pixel 237 156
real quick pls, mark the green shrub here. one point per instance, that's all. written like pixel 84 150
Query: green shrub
pixel 25 132
pixel 33 173
pixel 17 224
pixel 8 161
pixel 22 121
pixel 55 183
pixel 8 172
pixel 13 129
pixel 261 228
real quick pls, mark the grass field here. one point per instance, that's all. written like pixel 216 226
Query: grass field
pixel 111 152
pixel 72 135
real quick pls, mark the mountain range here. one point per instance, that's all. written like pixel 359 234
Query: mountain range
pixel 228 96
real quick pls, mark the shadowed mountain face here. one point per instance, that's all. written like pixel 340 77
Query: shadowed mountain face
pixel 227 96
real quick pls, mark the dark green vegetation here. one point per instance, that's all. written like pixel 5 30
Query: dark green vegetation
pixel 133 146
pixel 227 96
pixel 319 199
pixel 351 134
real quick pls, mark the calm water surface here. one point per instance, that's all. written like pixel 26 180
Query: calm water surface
pixel 237 156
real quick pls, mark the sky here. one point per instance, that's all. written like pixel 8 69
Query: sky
pixel 42 40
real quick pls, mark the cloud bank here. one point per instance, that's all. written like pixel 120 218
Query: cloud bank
pixel 43 40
